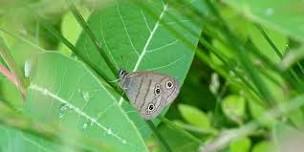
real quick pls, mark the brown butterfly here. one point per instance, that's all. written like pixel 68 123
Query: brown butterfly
pixel 149 92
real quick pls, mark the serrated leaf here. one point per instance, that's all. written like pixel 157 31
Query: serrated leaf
pixel 63 91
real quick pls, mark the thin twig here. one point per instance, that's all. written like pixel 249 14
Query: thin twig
pixel 10 76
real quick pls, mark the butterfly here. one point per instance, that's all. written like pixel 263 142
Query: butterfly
pixel 149 92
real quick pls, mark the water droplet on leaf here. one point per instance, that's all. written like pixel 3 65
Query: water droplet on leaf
pixel 109 131
pixel 84 126
pixel 85 95
pixel 62 110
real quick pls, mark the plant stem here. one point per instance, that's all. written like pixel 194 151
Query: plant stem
pixel 15 73
pixel 187 134
pixel 161 140
pixel 202 41
pixel 93 38
pixel 215 27
pixel 271 43
pixel 240 50
pixel 83 58
pixel 276 49
pixel 227 136
pixel 10 76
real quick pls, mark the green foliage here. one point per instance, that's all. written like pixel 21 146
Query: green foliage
pixel 144 44
pixel 77 100
pixel 257 112
pixel 263 146
pixel 71 29
pixel 240 145
pixel 239 64
pixel 178 142
pixel 279 40
pixel 195 117
pixel 234 108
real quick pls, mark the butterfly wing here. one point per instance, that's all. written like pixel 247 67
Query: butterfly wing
pixel 149 92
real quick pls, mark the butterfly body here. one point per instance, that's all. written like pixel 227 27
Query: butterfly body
pixel 149 92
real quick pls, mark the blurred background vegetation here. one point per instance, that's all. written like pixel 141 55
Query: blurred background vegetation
pixel 240 63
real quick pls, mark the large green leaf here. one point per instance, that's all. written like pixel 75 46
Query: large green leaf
pixel 63 91
pixel 137 41
pixel 282 15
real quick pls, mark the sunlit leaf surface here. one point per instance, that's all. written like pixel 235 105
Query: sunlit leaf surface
pixel 64 91
pixel 137 41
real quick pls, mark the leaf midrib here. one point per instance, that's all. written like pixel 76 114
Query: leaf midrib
pixel 145 48
pixel 108 92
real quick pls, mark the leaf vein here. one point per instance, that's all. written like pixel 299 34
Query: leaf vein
pixel 146 21
pixel 167 65
pixel 125 29
pixel 161 47
pixel 46 92
pixel 145 48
